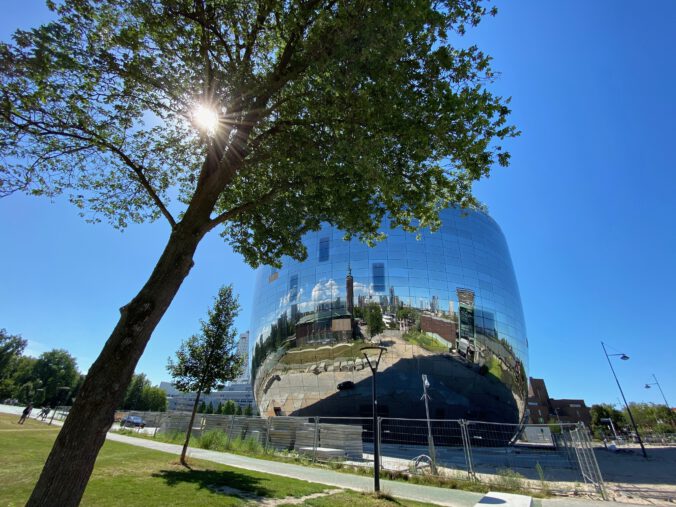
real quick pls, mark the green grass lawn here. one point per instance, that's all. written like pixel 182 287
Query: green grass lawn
pixel 423 340
pixel 314 354
pixel 129 475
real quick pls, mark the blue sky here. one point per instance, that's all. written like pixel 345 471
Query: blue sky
pixel 587 207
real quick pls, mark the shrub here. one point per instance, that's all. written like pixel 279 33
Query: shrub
pixel 544 487
pixel 508 480
pixel 214 439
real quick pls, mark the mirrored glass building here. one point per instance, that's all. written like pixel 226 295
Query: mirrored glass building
pixel 450 307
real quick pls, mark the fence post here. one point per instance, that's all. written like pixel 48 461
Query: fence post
pixel 232 423
pixel 467 448
pixel 380 454
pixel 160 416
pixel 315 443
pixel 267 433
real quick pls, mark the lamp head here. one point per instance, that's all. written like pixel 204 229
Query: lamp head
pixel 624 357
pixel 647 386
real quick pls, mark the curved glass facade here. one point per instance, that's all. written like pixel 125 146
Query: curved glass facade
pixel 450 305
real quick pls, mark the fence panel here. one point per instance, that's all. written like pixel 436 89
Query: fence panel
pixel 421 446
pixel 589 467
pixel 553 457
pixel 531 451
pixel 344 439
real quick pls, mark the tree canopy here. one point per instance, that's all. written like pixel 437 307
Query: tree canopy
pixel 652 417
pixel 322 103
pixel 11 348
pixel 57 373
pixel 204 361
pixel 373 315
pixel 53 378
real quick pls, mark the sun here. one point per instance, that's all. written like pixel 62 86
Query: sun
pixel 205 119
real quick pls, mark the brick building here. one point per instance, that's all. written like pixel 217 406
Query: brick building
pixel 543 409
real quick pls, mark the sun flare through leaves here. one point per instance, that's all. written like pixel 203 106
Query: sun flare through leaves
pixel 206 119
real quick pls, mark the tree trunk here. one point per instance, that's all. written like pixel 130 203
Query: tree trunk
pixel 71 460
pixel 189 432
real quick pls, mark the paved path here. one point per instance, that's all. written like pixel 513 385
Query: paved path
pixel 440 496
pixel 428 494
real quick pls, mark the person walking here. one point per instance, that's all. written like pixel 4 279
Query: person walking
pixel 45 412
pixel 26 412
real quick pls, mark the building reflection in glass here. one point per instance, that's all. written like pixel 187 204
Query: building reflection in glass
pixel 451 306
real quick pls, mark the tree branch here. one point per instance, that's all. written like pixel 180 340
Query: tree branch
pixel 205 26
pixel 247 206
pixel 264 8
pixel 88 137
pixel 144 183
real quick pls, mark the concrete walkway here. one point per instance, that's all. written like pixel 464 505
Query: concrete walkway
pixel 439 496
pixel 427 494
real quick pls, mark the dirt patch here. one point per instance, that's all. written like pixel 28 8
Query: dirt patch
pixel 630 477
pixel 271 502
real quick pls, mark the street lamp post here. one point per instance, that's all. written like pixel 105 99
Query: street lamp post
pixel 624 357
pixel 656 383
pixel 376 434
pixel 430 440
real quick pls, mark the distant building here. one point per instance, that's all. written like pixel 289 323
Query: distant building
pixel 240 393
pixel 243 352
pixel 543 409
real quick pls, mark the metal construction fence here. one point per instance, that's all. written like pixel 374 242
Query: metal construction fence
pixel 535 457
pixel 648 437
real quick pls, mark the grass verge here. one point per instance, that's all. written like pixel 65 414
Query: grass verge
pixel 506 480
pixel 129 475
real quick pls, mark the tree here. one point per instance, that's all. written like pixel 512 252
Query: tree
pixel 133 396
pixel 406 313
pixel 22 373
pixel 153 399
pixel 11 348
pixel 239 410
pixel 219 408
pixel 374 319
pixel 652 417
pixel 202 408
pixel 317 104
pixel 26 393
pixel 204 361
pixel 56 372
pixel 606 411
pixel 229 408
pixel 248 411
pixel 7 389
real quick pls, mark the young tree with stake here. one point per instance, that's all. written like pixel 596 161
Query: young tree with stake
pixel 259 117
pixel 204 361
